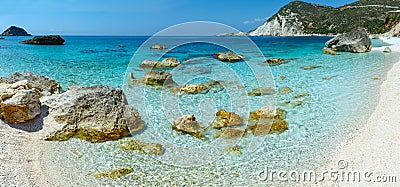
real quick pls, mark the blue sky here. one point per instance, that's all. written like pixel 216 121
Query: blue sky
pixel 135 17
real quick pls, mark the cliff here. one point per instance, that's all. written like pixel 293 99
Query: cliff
pixel 301 18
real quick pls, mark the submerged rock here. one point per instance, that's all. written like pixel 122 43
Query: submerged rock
pixel 143 147
pixel 158 78
pixel 266 120
pixel 301 94
pixel 276 61
pixel 15 31
pixel 158 47
pixel 197 88
pixel 296 103
pixel 19 102
pixel 166 63
pixel 45 40
pixel 387 50
pixel 231 133
pixel 189 125
pixel 261 91
pixel 310 67
pixel 355 41
pixel 235 150
pixel 96 114
pixel 226 119
pixel 228 57
pixel 44 84
pixel 284 90
pixel 114 173
pixel 329 51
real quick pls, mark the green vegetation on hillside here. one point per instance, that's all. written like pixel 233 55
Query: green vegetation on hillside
pixel 377 16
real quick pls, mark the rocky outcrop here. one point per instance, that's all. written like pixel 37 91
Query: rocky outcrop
pixel 45 40
pixel 355 41
pixel 158 47
pixel 189 125
pixel 96 114
pixel 197 88
pixel 281 25
pixel 143 147
pixel 19 102
pixel 226 119
pixel 302 18
pixel 166 63
pixel 45 85
pixel 15 31
pixel 228 57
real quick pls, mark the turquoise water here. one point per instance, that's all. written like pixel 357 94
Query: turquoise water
pixel 342 95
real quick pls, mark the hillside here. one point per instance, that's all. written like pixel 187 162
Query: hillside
pixel 299 18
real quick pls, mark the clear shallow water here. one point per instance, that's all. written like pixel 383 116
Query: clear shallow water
pixel 342 91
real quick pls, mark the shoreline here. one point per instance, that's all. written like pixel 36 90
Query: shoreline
pixel 373 147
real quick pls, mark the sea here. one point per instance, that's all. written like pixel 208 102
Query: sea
pixel 332 96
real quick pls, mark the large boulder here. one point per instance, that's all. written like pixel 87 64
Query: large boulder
pixel 166 63
pixel 15 31
pixel 355 41
pixel 228 57
pixel 96 114
pixel 19 102
pixel 44 84
pixel 45 40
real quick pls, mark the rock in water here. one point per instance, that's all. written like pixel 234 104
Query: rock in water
pixel 355 41
pixel 226 119
pixel 158 47
pixel 143 147
pixel 158 78
pixel 228 57
pixel 45 40
pixel 19 102
pixel 329 51
pixel 44 84
pixel 387 50
pixel 189 125
pixel 15 31
pixel 166 63
pixel 96 114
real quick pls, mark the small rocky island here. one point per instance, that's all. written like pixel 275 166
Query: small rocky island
pixel 15 31
pixel 45 40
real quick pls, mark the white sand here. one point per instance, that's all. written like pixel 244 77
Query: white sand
pixel 376 146
pixel 21 155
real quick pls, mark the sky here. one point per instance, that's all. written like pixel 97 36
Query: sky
pixel 135 17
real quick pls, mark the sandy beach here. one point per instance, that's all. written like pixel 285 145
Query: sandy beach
pixel 373 149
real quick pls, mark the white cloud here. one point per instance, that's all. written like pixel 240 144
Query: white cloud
pixel 255 20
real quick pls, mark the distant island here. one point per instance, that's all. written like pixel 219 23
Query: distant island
pixel 15 31
pixel 299 18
